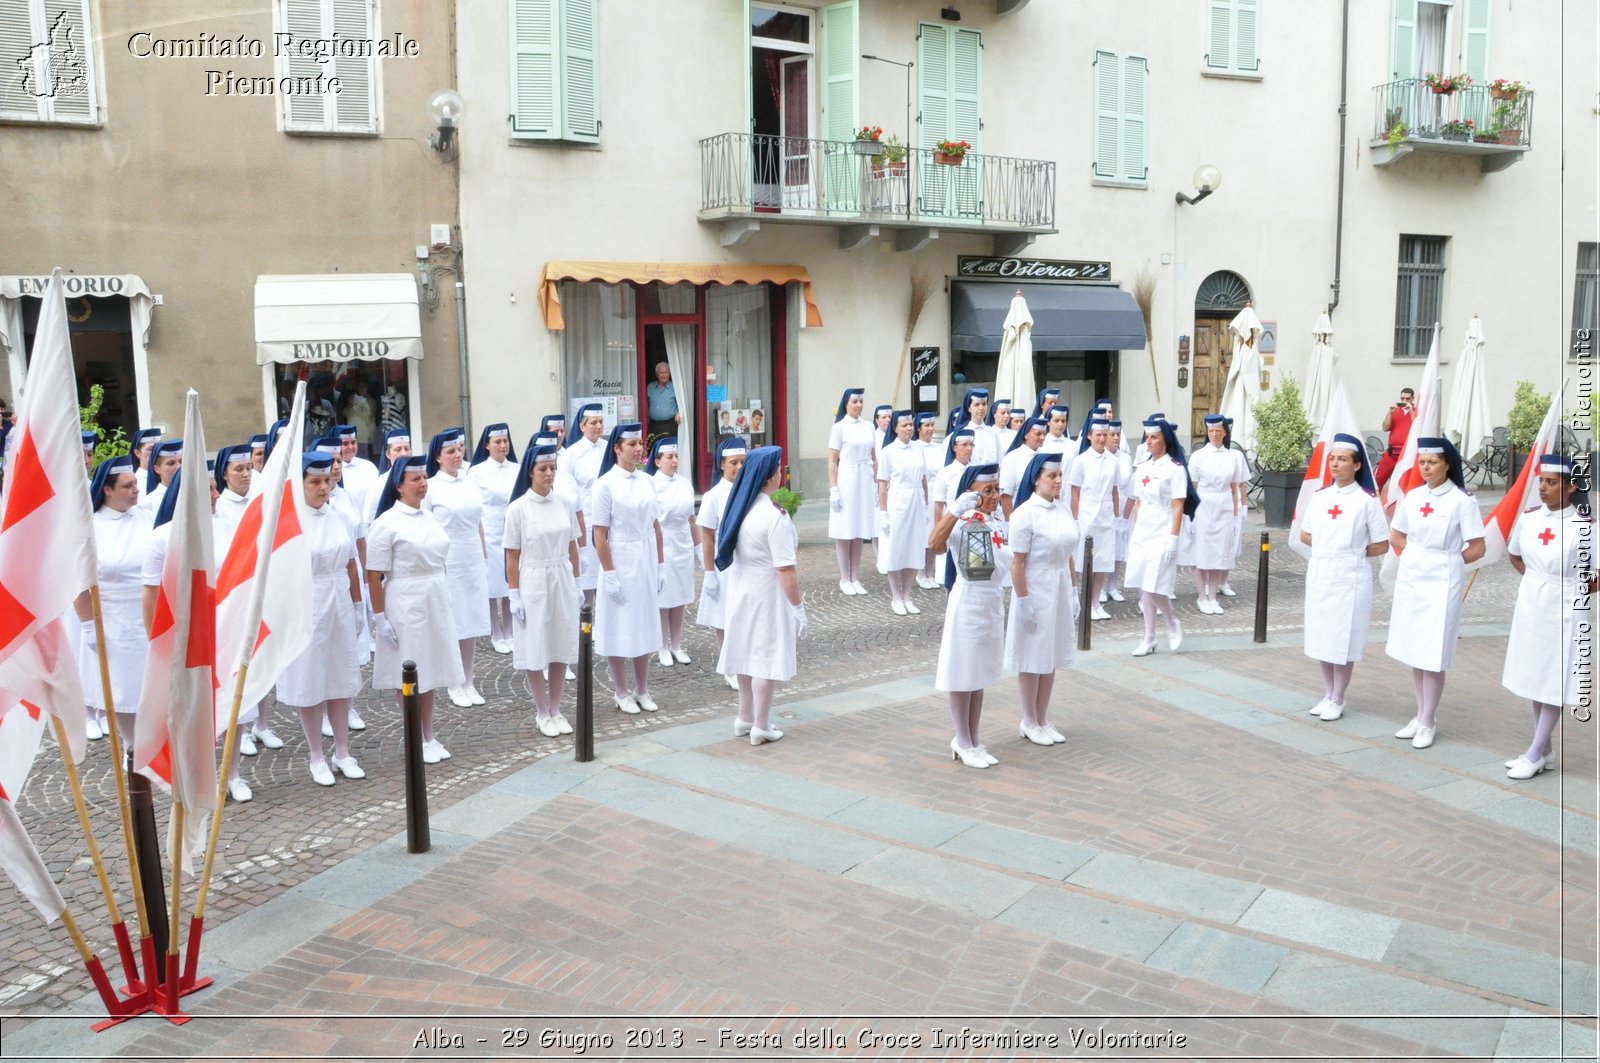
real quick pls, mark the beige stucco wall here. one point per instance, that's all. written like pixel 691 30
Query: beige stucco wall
pixel 198 195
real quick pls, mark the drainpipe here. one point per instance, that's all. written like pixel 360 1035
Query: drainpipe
pixel 1344 110
pixel 461 344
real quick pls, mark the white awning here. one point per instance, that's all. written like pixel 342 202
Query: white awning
pixel 337 316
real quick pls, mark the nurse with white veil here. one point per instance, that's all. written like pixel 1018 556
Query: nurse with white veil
pixel 852 487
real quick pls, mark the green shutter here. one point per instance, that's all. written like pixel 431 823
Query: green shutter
pixel 1403 40
pixel 1135 72
pixel 580 71
pixel 966 87
pixel 535 92
pixel 1246 43
pixel 841 109
pixel 1219 54
pixel 1107 114
pixel 933 84
pixel 1475 42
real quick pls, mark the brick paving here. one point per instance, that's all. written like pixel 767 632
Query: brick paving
pixel 582 908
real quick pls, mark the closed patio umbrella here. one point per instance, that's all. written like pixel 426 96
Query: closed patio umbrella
pixel 1243 388
pixel 1013 376
pixel 1319 371
pixel 1466 419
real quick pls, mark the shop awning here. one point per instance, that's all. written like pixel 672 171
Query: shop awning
pixel 668 273
pixel 1066 317
pixel 341 317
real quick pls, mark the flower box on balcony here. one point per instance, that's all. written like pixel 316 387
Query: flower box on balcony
pixel 946 159
pixel 869 147
pixel 1512 137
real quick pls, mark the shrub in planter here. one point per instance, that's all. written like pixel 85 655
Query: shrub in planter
pixel 1283 443
pixel 1528 408
pixel 787 500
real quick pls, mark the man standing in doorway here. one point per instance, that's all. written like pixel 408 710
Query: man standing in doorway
pixel 1397 422
pixel 661 403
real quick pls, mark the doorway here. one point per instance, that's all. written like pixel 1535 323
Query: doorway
pixel 102 354
pixel 782 103
pixel 1220 298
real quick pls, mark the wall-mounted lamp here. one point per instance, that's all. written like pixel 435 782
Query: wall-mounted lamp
pixel 950 14
pixel 444 107
pixel 1207 179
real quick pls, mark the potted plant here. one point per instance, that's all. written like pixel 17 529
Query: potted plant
pixel 1528 408
pixel 1503 89
pixel 1397 133
pixel 869 140
pixel 787 500
pixel 1507 119
pixel 893 158
pixel 950 152
pixel 1447 84
pixel 1283 443
pixel 1457 129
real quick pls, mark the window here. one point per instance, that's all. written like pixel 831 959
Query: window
pixel 1119 117
pixel 48 70
pixel 555 70
pixel 1586 298
pixel 310 24
pixel 1422 32
pixel 1419 294
pixel 1232 41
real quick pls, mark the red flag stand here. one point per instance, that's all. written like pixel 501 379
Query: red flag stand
pixel 191 958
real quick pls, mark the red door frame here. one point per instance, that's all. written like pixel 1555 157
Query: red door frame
pixel 778 409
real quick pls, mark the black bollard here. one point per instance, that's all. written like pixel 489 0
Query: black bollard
pixel 583 740
pixel 1085 592
pixel 1261 590
pixel 147 851
pixel 417 839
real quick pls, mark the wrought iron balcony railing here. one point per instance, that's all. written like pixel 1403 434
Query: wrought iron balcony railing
pixel 744 173
pixel 1409 113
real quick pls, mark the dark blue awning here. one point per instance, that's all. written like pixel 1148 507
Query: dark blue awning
pixel 1066 317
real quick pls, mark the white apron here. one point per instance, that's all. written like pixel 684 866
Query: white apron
pixel 1210 540
pixel 494 481
pixel 1550 651
pixel 1046 532
pixel 854 439
pixel 902 467
pixel 581 462
pixel 1426 618
pixel 410 547
pixel 328 669
pixel 760 638
pixel 541 529
pixel 675 509
pixel 456 505
pixel 121 542
pixel 710 611
pixel 1156 485
pixel 973 643
pixel 624 503
pixel 1343 522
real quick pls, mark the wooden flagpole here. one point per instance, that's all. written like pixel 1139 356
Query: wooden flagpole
pixel 173 987
pixel 229 741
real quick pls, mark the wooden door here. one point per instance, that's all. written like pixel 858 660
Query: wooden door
pixel 1213 353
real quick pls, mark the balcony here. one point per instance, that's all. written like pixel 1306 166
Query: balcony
pixel 1408 116
pixel 748 179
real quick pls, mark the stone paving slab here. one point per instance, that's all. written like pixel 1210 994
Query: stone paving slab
pixel 1089 922
pixel 1179 889
pixel 1210 955
pixel 1318 923
pixel 937 881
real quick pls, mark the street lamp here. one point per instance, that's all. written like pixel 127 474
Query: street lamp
pixel 1207 179
pixel 444 107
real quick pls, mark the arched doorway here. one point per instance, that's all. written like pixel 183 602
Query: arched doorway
pixel 1221 296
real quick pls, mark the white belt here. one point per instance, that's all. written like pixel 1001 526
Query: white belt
pixel 545 563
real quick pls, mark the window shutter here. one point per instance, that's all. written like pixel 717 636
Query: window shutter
pixel 1135 167
pixel 1107 114
pixel 302 19
pixel 966 87
pixel 71 60
pixel 840 93
pixel 535 96
pixel 18 84
pixel 1220 51
pixel 355 106
pixel 933 84
pixel 1475 41
pixel 1246 51
pixel 580 71
pixel 1403 40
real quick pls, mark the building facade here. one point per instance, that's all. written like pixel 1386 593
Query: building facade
pixel 227 220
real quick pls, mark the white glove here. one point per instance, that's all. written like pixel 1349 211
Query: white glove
pixel 801 626
pixel 661 580
pixel 1171 550
pixel 385 630
pixel 699 559
pixel 835 500
pixel 713 585
pixel 87 645
pixel 585 563
pixel 613 585
pixel 964 505
pixel 518 613
pixel 1025 614
pixel 360 609
pixel 883 524
pixel 583 600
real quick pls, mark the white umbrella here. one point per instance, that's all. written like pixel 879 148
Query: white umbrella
pixel 1467 420
pixel 1319 372
pixel 1013 377
pixel 1243 389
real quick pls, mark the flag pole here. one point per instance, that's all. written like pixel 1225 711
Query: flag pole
pixel 230 739
pixel 118 927
pixel 173 987
pixel 118 767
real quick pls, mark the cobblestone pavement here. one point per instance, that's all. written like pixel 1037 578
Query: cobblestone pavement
pixel 1298 827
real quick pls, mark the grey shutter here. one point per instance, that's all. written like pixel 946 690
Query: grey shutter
pixel 302 20
pixel 356 105
pixel 22 67
pixel 71 61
